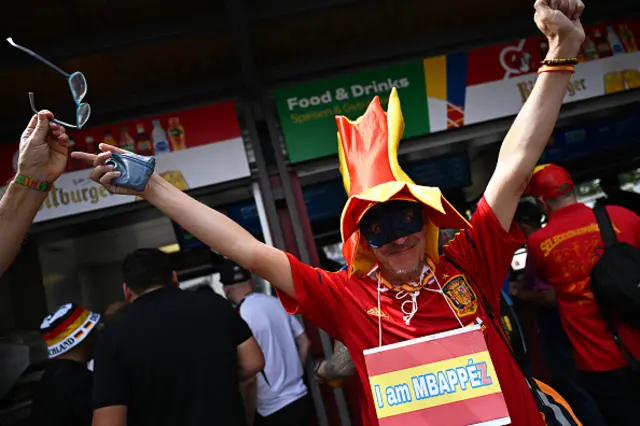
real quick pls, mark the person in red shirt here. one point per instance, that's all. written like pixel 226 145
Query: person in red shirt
pixel 397 287
pixel 563 254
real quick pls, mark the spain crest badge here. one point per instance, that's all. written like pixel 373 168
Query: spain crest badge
pixel 461 295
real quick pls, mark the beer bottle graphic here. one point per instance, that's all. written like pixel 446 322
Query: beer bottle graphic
pixel 602 45
pixel 126 141
pixel 590 51
pixel 628 39
pixel 143 142
pixel 176 134
pixel 614 41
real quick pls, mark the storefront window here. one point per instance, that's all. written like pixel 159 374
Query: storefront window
pixel 589 192
pixel 630 181
pixel 334 253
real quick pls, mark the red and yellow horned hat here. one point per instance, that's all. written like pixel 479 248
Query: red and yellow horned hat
pixel 368 153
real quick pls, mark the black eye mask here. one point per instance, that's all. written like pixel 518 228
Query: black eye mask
pixel 389 221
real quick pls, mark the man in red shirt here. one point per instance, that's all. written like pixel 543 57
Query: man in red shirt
pixel 563 254
pixel 397 287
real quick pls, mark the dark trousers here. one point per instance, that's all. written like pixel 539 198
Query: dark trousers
pixel 617 393
pixel 566 381
pixel 298 413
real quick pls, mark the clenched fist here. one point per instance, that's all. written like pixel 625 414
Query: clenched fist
pixel 559 21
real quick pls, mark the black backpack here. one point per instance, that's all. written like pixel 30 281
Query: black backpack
pixel 615 281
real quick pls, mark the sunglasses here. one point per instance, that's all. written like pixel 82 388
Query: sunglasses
pixel 77 84
pixel 389 221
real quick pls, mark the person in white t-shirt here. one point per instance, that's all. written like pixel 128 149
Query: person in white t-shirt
pixel 282 397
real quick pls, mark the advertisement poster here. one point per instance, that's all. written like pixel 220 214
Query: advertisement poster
pixel 443 379
pixel 500 78
pixel 455 90
pixel 307 112
pixel 193 148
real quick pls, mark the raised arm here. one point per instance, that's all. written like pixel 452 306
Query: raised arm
pixel 43 158
pixel 18 207
pixel 209 226
pixel 221 234
pixel 559 21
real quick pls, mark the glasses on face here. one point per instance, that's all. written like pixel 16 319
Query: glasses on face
pixel 77 84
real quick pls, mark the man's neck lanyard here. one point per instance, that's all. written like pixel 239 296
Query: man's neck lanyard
pixel 410 307
pixel 264 375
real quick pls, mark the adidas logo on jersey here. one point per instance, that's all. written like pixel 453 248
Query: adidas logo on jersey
pixel 377 313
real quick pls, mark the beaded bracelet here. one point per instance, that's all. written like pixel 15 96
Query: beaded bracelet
pixel 562 61
pixel 32 183
pixel 557 68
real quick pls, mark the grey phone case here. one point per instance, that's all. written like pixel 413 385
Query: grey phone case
pixel 135 170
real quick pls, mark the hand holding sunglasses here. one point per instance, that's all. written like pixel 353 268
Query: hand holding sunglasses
pixel 77 84
pixel 43 152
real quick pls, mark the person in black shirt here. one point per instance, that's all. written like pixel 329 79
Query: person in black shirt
pixel 174 357
pixel 616 196
pixel 63 396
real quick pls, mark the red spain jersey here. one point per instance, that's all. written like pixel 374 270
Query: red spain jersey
pixel 347 308
pixel 563 254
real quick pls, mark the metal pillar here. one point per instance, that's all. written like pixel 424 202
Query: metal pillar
pixel 285 181
pixel 264 224
pixel 237 13
pixel 272 229
pixel 272 214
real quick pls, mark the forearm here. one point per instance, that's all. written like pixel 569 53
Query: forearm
pixel 527 138
pixel 18 207
pixel 220 233
pixel 303 353
pixel 110 416
pixel 532 128
pixel 303 344
pixel 249 392
pixel 340 366
pixel 209 226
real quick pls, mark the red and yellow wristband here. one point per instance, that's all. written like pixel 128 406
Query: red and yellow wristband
pixel 558 65
pixel 32 183
pixel 557 68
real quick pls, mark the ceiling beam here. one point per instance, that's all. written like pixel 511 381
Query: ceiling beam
pixel 155 32
pixel 265 10
pixel 446 43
